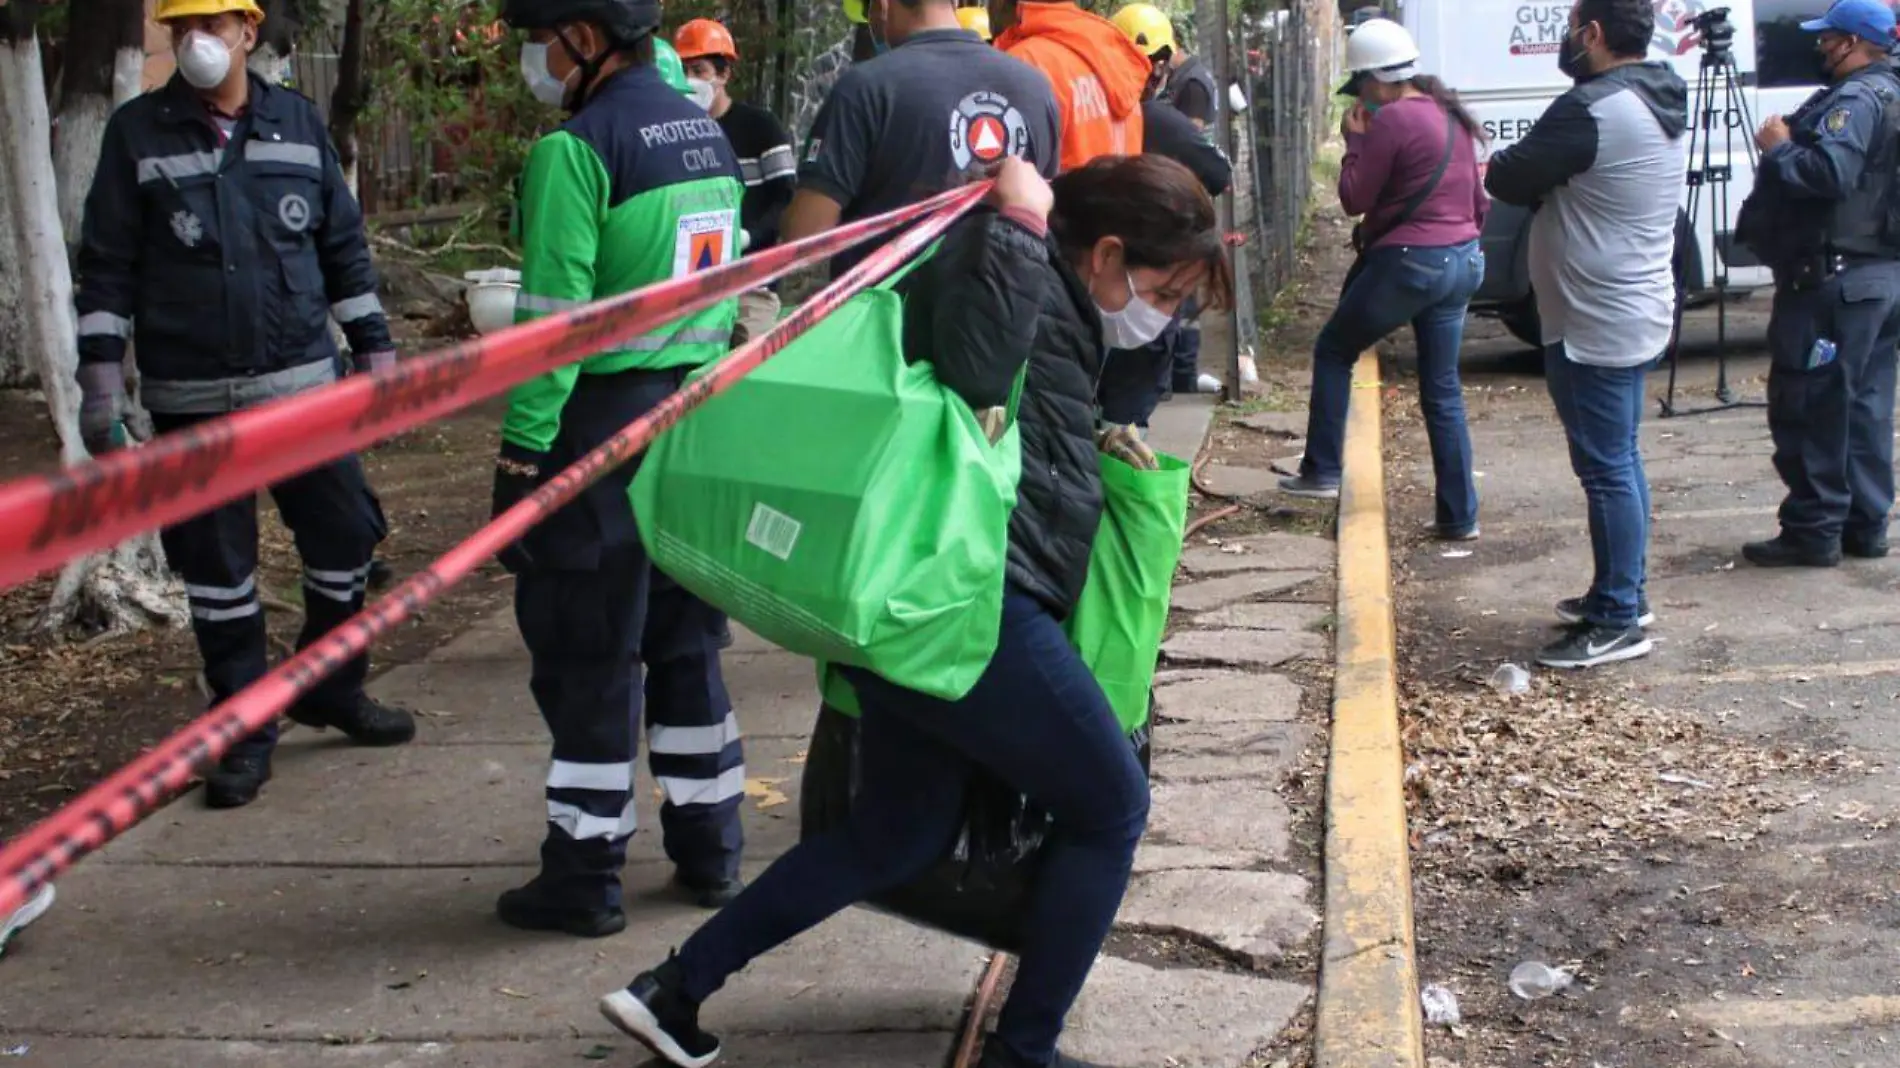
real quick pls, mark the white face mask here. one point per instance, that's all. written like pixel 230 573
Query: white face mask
pixel 203 59
pixel 545 86
pixel 1135 325
pixel 703 92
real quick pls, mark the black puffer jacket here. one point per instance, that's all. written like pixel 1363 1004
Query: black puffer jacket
pixel 993 293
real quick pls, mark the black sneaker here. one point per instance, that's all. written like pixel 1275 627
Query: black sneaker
pixel 366 721
pixel 236 780
pixel 996 1056
pixel 1780 552
pixel 380 574
pixel 654 1012
pixel 713 895
pixel 1865 546
pixel 1313 488
pixel 1572 609
pixel 1590 644
pixel 532 908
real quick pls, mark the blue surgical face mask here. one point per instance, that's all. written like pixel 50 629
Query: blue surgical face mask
pixel 1372 106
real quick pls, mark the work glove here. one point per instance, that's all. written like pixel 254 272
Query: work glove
pixel 101 427
pixel 518 472
pixel 1124 443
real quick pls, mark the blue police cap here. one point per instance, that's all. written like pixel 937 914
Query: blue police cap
pixel 1869 20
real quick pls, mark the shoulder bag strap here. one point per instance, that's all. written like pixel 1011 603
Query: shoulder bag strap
pixel 1417 200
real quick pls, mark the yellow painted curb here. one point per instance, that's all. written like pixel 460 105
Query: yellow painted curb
pixel 1368 1015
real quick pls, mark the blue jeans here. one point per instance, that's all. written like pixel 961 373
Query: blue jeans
pixel 1429 288
pixel 1038 721
pixel 1601 409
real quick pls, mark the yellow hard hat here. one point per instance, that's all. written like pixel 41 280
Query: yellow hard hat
pixel 1147 26
pixel 854 11
pixel 178 9
pixel 976 19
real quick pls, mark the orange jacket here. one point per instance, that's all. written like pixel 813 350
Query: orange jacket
pixel 1097 73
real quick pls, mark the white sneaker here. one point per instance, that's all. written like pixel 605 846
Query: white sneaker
pixel 1207 384
pixel 34 908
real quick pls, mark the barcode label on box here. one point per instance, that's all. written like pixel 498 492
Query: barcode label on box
pixel 773 531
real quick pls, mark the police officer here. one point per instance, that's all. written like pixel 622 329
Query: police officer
pixel 219 234
pixel 637 186
pixel 935 108
pixel 1823 216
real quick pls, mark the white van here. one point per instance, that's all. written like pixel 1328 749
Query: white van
pixel 1501 57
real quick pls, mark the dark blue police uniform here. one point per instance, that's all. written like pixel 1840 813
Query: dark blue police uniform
pixel 225 258
pixel 1819 219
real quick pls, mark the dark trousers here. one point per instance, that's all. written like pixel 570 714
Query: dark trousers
pixel 1395 285
pixel 592 610
pixel 1185 353
pixel 1601 409
pixel 1833 424
pixel 336 522
pixel 1037 720
pixel 1132 380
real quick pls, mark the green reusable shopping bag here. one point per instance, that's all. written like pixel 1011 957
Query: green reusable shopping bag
pixel 1119 619
pixel 843 504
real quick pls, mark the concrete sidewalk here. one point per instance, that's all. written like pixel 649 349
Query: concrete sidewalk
pixel 347 918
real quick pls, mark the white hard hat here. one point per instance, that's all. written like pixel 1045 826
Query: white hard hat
pixel 1382 49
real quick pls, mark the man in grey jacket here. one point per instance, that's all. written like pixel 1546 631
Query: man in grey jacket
pixel 1606 165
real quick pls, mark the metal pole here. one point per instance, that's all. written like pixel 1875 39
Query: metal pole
pixel 1223 135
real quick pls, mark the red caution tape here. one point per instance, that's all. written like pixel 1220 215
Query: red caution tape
pixel 46 520
pixel 133 792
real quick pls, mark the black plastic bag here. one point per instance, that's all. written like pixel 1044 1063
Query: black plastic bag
pixel 980 890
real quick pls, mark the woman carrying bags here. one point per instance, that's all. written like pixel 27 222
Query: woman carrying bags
pixel 1035 271
pixel 1411 168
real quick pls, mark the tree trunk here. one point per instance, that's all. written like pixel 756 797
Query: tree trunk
pixel 15 369
pixel 127 588
pixel 277 39
pixel 352 91
pixel 102 70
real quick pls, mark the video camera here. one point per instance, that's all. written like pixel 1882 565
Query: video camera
pixel 1716 32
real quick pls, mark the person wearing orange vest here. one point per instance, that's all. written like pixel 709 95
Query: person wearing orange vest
pixel 1098 75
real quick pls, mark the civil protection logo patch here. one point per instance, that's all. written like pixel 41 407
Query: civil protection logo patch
pixel 294 212
pixel 985 127
pixel 1836 120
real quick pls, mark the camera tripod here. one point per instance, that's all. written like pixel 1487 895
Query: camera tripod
pixel 1717 98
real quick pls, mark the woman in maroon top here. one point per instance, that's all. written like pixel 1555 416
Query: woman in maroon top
pixel 1411 169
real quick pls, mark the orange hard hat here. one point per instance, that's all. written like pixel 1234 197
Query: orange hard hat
pixel 704 37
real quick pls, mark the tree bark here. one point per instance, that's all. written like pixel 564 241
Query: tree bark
pixel 128 588
pixel 102 69
pixel 277 39
pixel 352 91
pixel 15 369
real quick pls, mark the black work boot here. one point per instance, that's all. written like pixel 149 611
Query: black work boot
pixel 716 894
pixel 534 907
pixel 366 721
pixel 1778 551
pixel 996 1055
pixel 656 1013
pixel 1865 546
pixel 237 778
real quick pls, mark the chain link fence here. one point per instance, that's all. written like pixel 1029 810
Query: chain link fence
pixel 1283 57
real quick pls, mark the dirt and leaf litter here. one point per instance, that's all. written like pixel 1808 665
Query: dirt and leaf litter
pixel 1556 817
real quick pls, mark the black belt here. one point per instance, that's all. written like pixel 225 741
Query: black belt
pixel 1814 271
